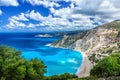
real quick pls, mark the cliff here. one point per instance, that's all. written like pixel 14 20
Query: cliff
pixel 94 44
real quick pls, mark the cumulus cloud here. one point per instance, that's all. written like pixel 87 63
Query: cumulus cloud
pixel 34 15
pixel 116 3
pixel 9 3
pixel 15 24
pixel 20 17
pixel 107 10
pixel 59 21
pixel 19 21
pixel 45 3
pixel 79 14
pixel 0 12
pixel 71 19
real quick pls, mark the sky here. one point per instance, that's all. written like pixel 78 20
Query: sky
pixel 56 15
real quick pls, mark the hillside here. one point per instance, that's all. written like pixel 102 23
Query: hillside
pixel 95 43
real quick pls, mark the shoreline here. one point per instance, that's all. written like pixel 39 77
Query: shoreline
pixel 85 67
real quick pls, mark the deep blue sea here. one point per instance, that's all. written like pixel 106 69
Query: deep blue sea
pixel 57 60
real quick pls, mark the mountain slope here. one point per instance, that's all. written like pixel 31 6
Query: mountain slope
pixel 95 43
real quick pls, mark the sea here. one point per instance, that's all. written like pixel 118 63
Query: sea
pixel 57 60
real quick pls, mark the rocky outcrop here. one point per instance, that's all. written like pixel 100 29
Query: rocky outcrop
pixel 95 43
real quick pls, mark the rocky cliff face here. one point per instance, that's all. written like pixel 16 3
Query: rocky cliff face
pixel 95 43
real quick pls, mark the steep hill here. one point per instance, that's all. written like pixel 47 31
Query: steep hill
pixel 95 43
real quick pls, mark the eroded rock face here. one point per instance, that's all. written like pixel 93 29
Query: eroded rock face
pixel 95 39
pixel 96 43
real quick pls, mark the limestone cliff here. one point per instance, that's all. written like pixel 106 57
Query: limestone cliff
pixel 95 43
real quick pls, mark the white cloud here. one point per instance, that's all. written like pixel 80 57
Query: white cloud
pixel 34 15
pixel 80 12
pixel 0 12
pixel 15 24
pixel 19 21
pixel 45 3
pixel 116 3
pixel 77 20
pixel 73 17
pixel 64 12
pixel 105 9
pixel 20 17
pixel 9 3
pixel 50 23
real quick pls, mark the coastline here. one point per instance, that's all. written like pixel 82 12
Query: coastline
pixel 85 67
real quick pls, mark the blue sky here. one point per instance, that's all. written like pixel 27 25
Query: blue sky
pixel 56 15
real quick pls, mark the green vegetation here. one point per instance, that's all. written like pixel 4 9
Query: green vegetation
pixel 65 76
pixel 13 67
pixel 118 34
pixel 109 66
pixel 86 78
pixel 114 25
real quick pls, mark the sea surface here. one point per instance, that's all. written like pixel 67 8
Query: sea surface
pixel 57 60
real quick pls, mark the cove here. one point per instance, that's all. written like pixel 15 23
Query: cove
pixel 57 60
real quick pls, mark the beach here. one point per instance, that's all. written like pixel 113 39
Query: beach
pixel 85 67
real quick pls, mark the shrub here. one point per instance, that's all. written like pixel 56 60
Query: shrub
pixel 109 66
pixel 13 67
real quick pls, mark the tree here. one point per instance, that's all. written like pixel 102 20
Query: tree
pixel 109 66
pixel 13 66
pixel 65 76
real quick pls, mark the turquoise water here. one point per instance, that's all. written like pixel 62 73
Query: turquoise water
pixel 57 60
